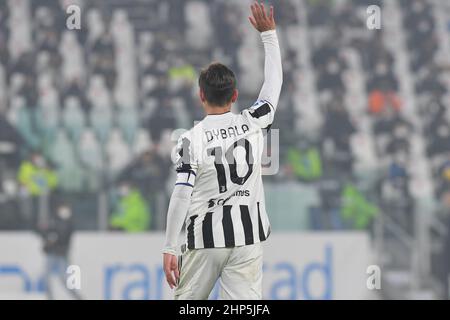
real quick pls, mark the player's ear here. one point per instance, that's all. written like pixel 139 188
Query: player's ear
pixel 202 96
pixel 235 95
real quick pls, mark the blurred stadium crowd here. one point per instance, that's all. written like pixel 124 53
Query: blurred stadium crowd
pixel 87 116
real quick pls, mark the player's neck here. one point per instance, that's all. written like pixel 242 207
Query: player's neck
pixel 217 110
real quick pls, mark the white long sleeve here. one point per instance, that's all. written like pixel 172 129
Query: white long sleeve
pixel 176 215
pixel 273 72
pixel 262 113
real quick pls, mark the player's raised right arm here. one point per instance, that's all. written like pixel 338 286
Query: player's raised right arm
pixel 273 73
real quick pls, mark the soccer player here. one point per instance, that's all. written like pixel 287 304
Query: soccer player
pixel 219 191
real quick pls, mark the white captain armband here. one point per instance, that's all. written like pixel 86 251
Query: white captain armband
pixel 186 178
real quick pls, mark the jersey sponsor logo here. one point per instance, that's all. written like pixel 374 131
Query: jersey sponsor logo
pixel 222 202
pixel 242 193
pixel 223 133
pixel 218 202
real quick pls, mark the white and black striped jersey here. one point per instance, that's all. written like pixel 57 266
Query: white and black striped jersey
pixel 223 154
pixel 219 192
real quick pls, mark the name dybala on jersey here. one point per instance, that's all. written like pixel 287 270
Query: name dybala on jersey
pixel 223 154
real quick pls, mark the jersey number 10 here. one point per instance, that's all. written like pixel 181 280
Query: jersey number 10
pixel 219 161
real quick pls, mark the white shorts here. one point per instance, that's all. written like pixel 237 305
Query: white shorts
pixel 239 270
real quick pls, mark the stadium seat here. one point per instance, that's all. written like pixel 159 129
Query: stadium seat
pixel 101 119
pixel 62 151
pixel 125 91
pixel 128 122
pixel 117 151
pixel 95 25
pixel 47 122
pixel 73 118
pixel 72 57
pixel 97 92
pixel 91 158
pixel 142 142
pixel 198 25
pixel 21 117
pixel 71 179
pixel 20 39
pixel 90 151
pixel 63 156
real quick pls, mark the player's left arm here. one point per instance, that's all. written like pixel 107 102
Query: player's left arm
pixel 180 201
pixel 176 215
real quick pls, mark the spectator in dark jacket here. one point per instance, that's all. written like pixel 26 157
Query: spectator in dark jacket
pixel 163 118
pixel 56 236
pixel 439 140
pixel 400 140
pixel 331 77
pixel 338 125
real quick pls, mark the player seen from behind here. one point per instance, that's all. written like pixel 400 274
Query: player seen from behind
pixel 219 192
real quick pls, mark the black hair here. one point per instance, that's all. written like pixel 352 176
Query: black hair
pixel 217 82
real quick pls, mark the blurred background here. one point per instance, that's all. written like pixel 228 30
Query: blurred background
pixel 89 117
